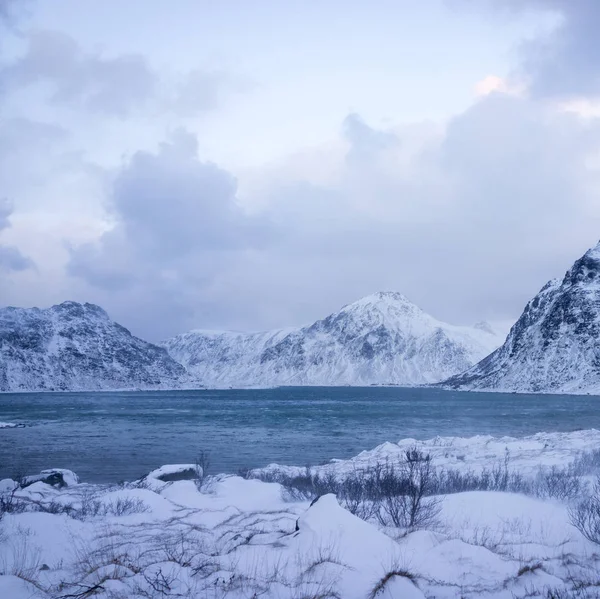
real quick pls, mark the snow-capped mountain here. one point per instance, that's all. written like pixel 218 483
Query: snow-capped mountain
pixel 380 339
pixel 75 346
pixel 555 345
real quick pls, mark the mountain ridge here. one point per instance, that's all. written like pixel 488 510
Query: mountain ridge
pixel 552 348
pixel 382 338
pixel 72 346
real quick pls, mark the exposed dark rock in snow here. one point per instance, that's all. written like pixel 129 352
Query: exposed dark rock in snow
pixel 55 477
pixel 380 339
pixel 75 346
pixel 555 344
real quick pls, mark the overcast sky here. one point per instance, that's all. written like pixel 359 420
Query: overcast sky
pixel 249 165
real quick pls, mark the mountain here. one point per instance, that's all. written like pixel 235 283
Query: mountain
pixel 75 346
pixel 555 345
pixel 380 339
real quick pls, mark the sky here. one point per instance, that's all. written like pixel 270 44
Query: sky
pixel 253 165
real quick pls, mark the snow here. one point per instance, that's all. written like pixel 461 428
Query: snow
pixel 73 346
pixel 65 477
pixel 525 454
pixel 241 538
pixel 172 471
pixel 553 346
pixel 380 339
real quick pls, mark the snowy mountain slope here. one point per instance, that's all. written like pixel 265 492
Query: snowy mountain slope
pixel 555 344
pixel 75 346
pixel 380 339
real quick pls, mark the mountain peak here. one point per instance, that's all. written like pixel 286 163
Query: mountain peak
pixel 594 252
pixel 78 310
pixel 553 347
pixel 382 338
pixel 381 299
pixel 586 270
pixel 73 346
pixel 387 296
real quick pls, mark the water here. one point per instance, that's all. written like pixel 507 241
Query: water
pixel 107 437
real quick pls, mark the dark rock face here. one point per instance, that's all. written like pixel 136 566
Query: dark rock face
pixel 555 344
pixel 75 346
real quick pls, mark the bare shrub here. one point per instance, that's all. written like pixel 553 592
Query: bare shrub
pixel 11 504
pixel 202 468
pixel 90 506
pixel 406 499
pixel 556 483
pixel 529 568
pixel 585 515
pixel 497 478
pixel 22 558
pixel 356 494
pixel 383 582
pixel 587 463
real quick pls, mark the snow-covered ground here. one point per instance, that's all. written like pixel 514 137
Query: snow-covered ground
pixel 228 536
pixel 525 454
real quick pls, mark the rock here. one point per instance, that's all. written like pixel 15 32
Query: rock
pixel 73 347
pixel 553 347
pixel 7 485
pixel 55 477
pixel 175 472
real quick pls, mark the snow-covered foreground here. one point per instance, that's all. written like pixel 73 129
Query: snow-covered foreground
pixel 228 536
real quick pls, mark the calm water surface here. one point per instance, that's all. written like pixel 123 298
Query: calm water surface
pixel 107 437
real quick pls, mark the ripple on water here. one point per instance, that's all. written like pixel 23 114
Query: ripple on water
pixel 114 436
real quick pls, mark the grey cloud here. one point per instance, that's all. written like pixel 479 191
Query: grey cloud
pixel 170 203
pixel 564 63
pixel 6 209
pixel 469 231
pixel 110 85
pixel 366 143
pixel 116 85
pixel 10 10
pixel 481 221
pixel 11 258
pixel 6 8
pixel 178 226
pixel 197 92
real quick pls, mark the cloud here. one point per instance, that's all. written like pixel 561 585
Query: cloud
pixel 564 62
pixel 467 227
pixel 9 10
pixel 465 223
pixel 468 218
pixel 117 86
pixel 11 259
pixel 111 85
pixel 199 91
pixel 178 225
pixel 365 143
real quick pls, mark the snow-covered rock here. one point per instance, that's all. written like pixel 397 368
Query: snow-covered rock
pixel 554 346
pixel 175 472
pixel 75 346
pixel 55 477
pixel 380 339
pixel 464 454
